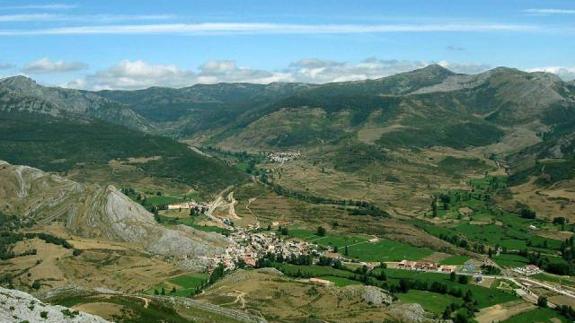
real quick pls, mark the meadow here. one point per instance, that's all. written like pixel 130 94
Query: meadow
pixel 360 248
pixel 542 315
pixel 431 302
pixel 185 285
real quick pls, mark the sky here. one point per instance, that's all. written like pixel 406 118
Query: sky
pixel 128 44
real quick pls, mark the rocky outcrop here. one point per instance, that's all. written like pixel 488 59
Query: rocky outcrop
pixel 371 295
pixel 17 306
pixel 412 313
pixel 99 212
pixel 21 94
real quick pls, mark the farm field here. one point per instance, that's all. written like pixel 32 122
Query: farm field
pixel 511 261
pixel 484 296
pixel 454 260
pixel 185 285
pixel 362 249
pixel 538 315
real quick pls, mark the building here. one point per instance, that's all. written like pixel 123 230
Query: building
pixel 184 205
pixel 322 282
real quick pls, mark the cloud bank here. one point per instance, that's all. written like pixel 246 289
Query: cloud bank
pixel 564 72
pixel 45 65
pixel 270 28
pixel 549 11
pixel 138 74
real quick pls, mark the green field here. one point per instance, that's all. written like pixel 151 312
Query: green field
pixel 185 284
pixel 485 296
pixel 340 281
pixel 361 249
pixel 161 200
pixel 454 260
pixel 387 250
pixel 313 270
pixel 538 315
pixel 431 302
pixel 507 260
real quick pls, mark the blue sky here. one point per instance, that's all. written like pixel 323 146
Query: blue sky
pixel 129 44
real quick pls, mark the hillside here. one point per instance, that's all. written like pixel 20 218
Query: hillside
pixel 186 111
pixel 93 211
pixel 21 94
pixel 423 108
pixel 62 145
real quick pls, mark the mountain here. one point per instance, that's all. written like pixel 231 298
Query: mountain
pixel 183 112
pixel 427 107
pixel 22 94
pixel 101 212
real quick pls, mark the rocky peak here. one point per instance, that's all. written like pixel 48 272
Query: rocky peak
pixel 19 83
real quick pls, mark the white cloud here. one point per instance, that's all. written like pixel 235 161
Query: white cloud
pixel 270 28
pixel 45 65
pixel 549 11
pixel 564 72
pixel 102 18
pixel 47 6
pixel 138 74
pixel 6 66
pixel 468 68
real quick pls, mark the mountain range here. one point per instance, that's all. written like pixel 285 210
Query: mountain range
pixel 427 107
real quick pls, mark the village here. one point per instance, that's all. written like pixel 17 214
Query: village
pixel 282 157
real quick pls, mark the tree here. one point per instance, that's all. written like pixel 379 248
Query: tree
pixel 36 284
pixel 527 213
pixel 447 313
pixel 217 273
pixel 321 231
pixel 452 276
pixel 542 301
pixel 173 290
pixel 162 291
pixel 434 207
pixel 284 231
pixel 559 220
pixel 462 279
pixel 346 251
pixel 445 199
pixel 335 249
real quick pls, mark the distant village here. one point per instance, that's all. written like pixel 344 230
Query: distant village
pixel 282 157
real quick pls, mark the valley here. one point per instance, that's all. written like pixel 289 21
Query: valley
pixel 421 196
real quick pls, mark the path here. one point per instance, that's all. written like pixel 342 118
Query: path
pixel 231 206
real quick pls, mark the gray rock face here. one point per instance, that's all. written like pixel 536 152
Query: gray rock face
pixel 412 313
pixel 100 212
pixel 370 294
pixel 17 306
pixel 376 296
pixel 21 94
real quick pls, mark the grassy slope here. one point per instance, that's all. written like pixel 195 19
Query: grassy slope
pixel 57 145
pixel 541 315
pixel 431 302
